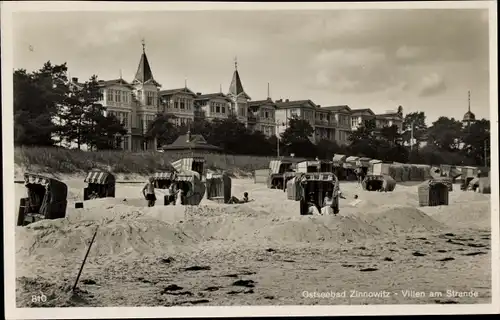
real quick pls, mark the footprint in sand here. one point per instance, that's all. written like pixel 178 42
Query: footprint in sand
pixel 418 254
pixel 388 259
pixel 88 281
pixel 172 287
pixel 244 283
pixel 167 260
pixel 348 265
pixel 447 259
pixel 476 245
pixel 368 269
pixel 215 288
pixel 474 253
pixel 197 268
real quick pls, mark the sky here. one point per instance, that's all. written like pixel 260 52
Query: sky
pixel 424 60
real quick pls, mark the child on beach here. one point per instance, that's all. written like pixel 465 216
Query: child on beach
pixel 149 192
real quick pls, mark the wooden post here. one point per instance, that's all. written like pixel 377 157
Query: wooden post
pixel 85 259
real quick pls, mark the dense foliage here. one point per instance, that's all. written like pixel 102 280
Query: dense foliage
pixel 49 110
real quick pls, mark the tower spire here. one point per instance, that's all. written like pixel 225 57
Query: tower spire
pixel 469 100
pixel 220 87
pixel 185 82
pixel 268 91
pixel 235 63
pixel 143 42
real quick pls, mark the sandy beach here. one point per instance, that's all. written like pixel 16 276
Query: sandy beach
pixel 384 250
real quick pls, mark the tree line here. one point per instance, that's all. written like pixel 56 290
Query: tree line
pixel 446 141
pixel 49 111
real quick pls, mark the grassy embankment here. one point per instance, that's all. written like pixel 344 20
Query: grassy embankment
pixel 57 160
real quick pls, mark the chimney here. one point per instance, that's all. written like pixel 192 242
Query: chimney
pixel 198 93
pixel 319 106
pixel 74 80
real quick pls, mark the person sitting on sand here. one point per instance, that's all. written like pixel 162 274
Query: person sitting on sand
pixel 235 200
pixel 93 195
pixel 356 201
pixel 245 197
pixel 149 192
pixel 328 204
pixel 312 207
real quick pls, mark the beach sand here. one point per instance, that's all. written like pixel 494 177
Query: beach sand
pixel 259 253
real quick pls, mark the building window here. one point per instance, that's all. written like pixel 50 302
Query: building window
pixel 125 119
pixel 150 98
pixel 125 97
pixel 223 110
pixel 267 115
pixel 217 108
pixel 183 106
pixel 109 95
pixel 125 143
pixel 354 122
pixel 117 95
pixel 212 107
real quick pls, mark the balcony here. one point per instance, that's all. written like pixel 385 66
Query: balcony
pixel 325 123
pixel 252 119
pixel 199 114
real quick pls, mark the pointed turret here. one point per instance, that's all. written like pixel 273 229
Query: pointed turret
pixel 236 87
pixel 144 73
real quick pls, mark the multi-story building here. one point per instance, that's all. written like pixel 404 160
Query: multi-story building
pixel 262 116
pixel 359 116
pixel 324 125
pixel 302 109
pixel 342 116
pixel 212 105
pixel 389 119
pixel 118 98
pixel 179 103
pixel 134 104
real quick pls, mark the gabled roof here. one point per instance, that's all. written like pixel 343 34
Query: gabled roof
pixel 106 83
pixel 191 142
pixel 209 96
pixel 144 73
pixel 295 104
pixel 170 92
pixel 389 115
pixel 236 87
pixel 354 111
pixel 344 108
pixel 258 103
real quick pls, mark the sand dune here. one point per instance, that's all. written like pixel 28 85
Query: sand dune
pixel 385 242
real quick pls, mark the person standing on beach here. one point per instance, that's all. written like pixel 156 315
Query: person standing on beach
pixel 178 200
pixel 149 192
